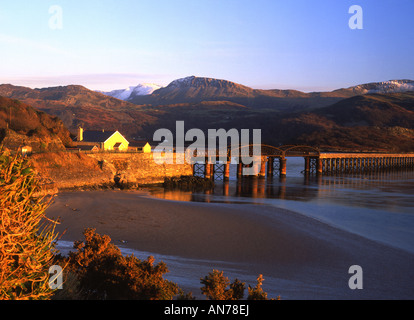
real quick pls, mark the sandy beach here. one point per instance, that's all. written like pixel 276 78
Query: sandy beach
pixel 300 257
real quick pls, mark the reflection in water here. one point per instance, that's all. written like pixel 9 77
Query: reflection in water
pixel 390 191
pixel 376 205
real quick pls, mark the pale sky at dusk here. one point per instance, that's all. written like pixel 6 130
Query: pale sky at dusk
pixel 295 44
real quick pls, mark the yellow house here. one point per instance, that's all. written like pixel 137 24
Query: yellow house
pixel 146 148
pixel 107 140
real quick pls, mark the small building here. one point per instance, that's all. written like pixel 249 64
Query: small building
pixel 26 150
pixel 106 140
pixel 140 145
pixel 88 147
pixel 147 148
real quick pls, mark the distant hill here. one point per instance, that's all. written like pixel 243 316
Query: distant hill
pixel 374 116
pixel 392 86
pixel 372 122
pixel 383 110
pixel 76 105
pixel 22 125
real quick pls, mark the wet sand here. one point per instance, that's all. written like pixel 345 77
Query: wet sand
pixel 300 257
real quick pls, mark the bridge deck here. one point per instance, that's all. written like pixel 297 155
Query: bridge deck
pixel 328 155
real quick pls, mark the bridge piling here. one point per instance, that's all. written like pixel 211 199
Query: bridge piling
pixel 263 162
pixel 227 171
pixel 239 170
pixel 337 163
pixel 283 167
pixel 307 165
pixel 270 166
pixel 319 166
pixel 207 173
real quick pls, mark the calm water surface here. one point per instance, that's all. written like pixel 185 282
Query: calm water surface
pixel 379 206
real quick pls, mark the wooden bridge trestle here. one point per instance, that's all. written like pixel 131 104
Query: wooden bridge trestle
pixel 334 163
pixel 273 162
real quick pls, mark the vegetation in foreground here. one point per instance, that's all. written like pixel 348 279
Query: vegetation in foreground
pixel 26 236
pixel 98 270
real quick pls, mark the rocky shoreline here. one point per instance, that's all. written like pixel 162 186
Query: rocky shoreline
pixel 65 171
pixel 188 183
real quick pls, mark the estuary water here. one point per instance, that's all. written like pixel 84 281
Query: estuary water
pixel 375 205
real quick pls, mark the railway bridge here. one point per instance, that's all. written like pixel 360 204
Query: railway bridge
pixel 272 161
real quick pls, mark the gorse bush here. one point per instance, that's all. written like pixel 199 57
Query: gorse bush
pixel 257 292
pixel 26 235
pixel 218 287
pixel 104 273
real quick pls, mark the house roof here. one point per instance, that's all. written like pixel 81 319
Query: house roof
pixel 87 148
pixel 138 143
pixel 97 136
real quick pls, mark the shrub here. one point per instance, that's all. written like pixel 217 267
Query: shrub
pixel 26 236
pixel 257 292
pixel 104 273
pixel 216 288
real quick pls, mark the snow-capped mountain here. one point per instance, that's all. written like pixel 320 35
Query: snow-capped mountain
pixel 196 89
pixel 132 91
pixel 392 86
pixel 187 81
pixel 202 82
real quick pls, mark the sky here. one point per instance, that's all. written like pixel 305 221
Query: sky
pixel 267 44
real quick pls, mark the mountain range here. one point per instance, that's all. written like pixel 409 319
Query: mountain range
pixel 197 89
pixel 367 116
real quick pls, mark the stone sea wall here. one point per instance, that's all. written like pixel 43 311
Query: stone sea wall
pixel 66 170
pixel 140 168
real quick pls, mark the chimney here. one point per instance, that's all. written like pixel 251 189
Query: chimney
pixel 80 134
